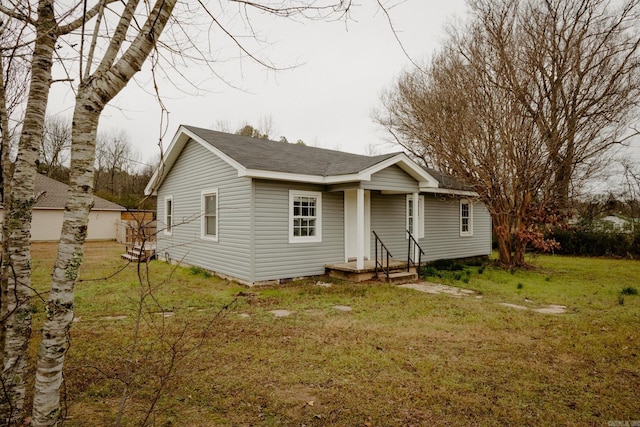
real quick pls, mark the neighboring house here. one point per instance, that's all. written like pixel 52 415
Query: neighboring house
pixel 260 211
pixel 48 213
pixel 615 223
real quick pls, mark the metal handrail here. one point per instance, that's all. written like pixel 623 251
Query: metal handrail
pixel 383 249
pixel 410 259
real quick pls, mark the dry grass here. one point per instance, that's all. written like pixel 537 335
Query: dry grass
pixel 400 358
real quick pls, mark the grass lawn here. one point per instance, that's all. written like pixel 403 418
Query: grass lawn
pixel 399 358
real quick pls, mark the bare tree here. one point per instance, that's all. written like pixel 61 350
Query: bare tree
pixel 252 132
pixel 575 67
pixel 479 137
pixel 222 126
pixel 56 142
pixel 520 103
pixel 114 154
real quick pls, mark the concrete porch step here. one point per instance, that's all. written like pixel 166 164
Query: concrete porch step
pixel 129 257
pixel 135 254
pixel 349 271
pixel 400 277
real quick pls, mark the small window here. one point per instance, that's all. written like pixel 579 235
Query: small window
pixel 305 216
pixel 466 218
pixel 210 214
pixel 416 228
pixel 168 215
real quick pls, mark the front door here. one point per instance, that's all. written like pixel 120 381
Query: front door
pixel 350 222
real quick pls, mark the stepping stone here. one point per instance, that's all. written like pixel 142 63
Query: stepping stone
pixel 342 308
pixel 281 313
pixel 166 314
pixel 435 288
pixel 519 307
pixel 552 309
pixel 244 315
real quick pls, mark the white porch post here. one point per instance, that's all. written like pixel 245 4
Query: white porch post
pixel 360 229
pixel 416 224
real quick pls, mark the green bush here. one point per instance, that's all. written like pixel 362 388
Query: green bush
pixel 629 290
pixel 447 264
pixel 586 242
pixel 454 269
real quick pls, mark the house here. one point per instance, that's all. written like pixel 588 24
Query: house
pixel 262 211
pixel 48 213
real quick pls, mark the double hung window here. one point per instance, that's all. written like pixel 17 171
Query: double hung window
pixel 305 216
pixel 168 215
pixel 210 214
pixel 466 218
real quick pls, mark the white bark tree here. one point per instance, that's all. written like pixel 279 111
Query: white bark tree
pixel 95 91
pixel 16 275
pixel 123 48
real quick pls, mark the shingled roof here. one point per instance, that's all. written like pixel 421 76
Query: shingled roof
pixel 267 159
pixel 53 195
pixel 290 158
pixel 447 181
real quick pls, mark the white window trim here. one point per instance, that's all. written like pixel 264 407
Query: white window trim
pixel 203 220
pixel 420 234
pixel 470 231
pixel 306 239
pixel 168 224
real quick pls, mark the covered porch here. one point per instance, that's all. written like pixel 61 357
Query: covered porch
pixel 395 217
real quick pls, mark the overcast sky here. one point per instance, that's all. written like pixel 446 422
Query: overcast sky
pixel 326 99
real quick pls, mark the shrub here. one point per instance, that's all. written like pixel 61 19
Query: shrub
pixel 447 264
pixel 428 272
pixel 596 242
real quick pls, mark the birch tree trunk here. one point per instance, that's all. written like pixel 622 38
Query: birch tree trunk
pixel 5 181
pixel 16 286
pixel 93 95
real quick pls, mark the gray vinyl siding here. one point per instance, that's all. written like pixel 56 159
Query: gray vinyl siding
pixel 275 257
pixel 195 170
pixel 441 229
pixel 392 178
pixel 442 238
pixel 388 220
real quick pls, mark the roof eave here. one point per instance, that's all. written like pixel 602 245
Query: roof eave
pixel 449 191
pixel 296 177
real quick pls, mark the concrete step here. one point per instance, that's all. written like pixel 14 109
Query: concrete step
pixel 129 257
pixel 134 255
pixel 400 277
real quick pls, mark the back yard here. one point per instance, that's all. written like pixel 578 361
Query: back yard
pixel 399 357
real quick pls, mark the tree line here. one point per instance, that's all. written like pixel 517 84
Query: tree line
pixel 120 175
